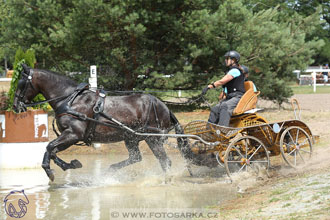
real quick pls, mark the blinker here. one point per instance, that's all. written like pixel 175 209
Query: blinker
pixel 20 83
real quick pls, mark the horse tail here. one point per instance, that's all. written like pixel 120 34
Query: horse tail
pixel 183 145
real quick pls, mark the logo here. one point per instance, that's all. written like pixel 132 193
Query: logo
pixel 40 126
pixel 15 204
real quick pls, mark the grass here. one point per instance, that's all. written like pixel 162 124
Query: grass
pixel 309 89
pixel 313 183
pixel 274 199
pixel 278 191
pixel 286 205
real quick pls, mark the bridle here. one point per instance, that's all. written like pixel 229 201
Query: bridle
pixel 27 80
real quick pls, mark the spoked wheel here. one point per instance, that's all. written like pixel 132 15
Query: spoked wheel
pixel 220 158
pixel 245 154
pixel 295 146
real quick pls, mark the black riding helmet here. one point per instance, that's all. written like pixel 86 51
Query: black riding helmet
pixel 233 54
pixel 245 69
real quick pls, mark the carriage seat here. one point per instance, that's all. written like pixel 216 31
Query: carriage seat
pixel 248 100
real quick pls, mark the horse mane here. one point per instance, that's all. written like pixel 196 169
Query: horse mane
pixel 61 78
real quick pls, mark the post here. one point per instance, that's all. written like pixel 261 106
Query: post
pixel 93 78
pixel 314 81
pixel 6 67
pixel 93 83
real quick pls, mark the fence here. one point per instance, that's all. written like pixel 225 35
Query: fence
pixel 314 77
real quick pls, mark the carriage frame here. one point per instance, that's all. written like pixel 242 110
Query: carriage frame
pixel 251 140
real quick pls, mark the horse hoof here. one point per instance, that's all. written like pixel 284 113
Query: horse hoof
pixel 76 164
pixel 50 174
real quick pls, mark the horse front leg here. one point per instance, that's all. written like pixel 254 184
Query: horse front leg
pixel 64 141
pixel 74 164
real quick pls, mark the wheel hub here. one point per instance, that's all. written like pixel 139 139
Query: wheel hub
pixel 245 161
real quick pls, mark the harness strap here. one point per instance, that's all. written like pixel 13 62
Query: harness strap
pixel 97 109
pixel 66 106
pixel 98 112
pixel 80 88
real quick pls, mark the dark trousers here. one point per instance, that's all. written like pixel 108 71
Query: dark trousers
pixel 221 113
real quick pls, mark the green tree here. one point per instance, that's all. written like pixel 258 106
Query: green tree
pixel 5 51
pixel 184 39
pixel 304 8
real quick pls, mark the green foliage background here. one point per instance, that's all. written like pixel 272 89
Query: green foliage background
pixel 28 58
pixel 184 39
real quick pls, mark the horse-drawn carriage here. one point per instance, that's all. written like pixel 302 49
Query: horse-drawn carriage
pixel 250 140
pixel 249 147
pixel 87 115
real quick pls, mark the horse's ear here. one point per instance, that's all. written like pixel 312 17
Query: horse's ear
pixel 26 68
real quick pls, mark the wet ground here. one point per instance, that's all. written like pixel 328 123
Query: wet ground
pixel 93 193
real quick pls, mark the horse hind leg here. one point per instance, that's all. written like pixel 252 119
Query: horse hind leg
pixel 134 155
pixel 156 145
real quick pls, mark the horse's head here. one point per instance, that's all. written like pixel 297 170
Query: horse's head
pixel 25 91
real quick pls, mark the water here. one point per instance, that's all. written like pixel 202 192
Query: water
pixel 93 193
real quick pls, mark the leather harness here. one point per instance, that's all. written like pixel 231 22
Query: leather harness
pixel 65 109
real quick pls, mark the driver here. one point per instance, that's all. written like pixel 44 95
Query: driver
pixel 246 76
pixel 233 87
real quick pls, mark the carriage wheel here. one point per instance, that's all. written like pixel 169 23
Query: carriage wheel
pixel 295 146
pixel 219 156
pixel 246 153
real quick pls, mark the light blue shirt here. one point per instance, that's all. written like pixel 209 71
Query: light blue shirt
pixel 254 88
pixel 234 72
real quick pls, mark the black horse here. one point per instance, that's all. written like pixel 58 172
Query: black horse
pixel 89 116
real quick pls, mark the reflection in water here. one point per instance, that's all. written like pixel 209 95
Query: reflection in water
pixel 64 195
pixel 42 204
pixel 96 212
pixel 91 192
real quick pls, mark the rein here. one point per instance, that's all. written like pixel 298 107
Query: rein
pixel 45 101
pixel 185 103
pixel 190 101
